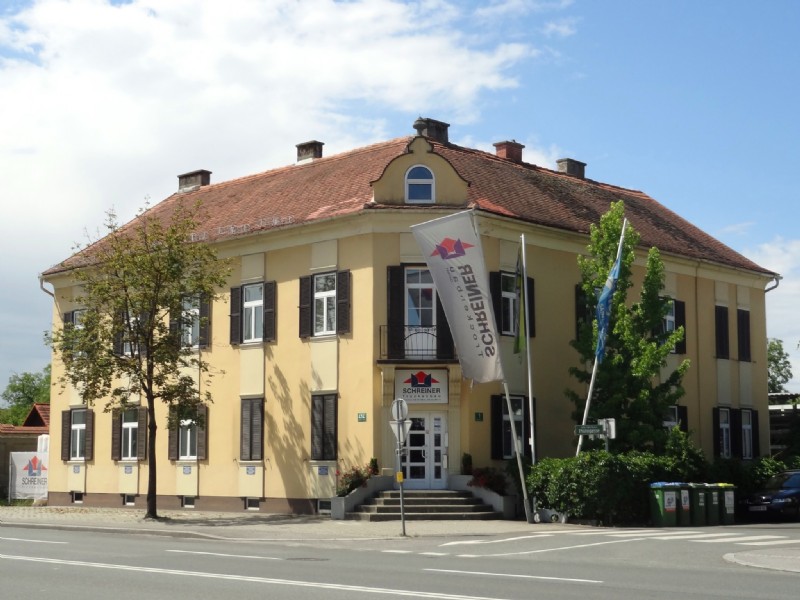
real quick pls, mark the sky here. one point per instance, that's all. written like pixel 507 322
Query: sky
pixel 103 103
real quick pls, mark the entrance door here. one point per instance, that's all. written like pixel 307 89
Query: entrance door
pixel 425 462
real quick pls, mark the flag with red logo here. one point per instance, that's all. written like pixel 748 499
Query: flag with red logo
pixel 452 250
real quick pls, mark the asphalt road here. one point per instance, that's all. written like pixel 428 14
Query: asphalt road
pixel 558 564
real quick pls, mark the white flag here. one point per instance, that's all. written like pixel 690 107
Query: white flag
pixel 452 249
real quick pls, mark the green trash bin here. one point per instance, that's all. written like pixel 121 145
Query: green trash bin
pixel 664 504
pixel 697 493
pixel 727 503
pixel 684 505
pixel 712 504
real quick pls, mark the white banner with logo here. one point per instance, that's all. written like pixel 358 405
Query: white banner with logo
pixel 28 477
pixel 452 249
pixel 418 386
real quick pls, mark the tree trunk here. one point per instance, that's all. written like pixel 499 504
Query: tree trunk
pixel 152 511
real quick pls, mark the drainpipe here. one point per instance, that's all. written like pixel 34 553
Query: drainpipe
pixel 48 292
pixel 777 280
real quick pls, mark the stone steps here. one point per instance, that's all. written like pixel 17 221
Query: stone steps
pixel 423 505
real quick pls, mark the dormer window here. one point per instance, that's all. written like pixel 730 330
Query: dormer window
pixel 419 185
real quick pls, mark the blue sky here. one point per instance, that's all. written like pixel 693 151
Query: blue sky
pixel 104 104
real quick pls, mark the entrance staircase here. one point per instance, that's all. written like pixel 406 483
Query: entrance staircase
pixel 421 505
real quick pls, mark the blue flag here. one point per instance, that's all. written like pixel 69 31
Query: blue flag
pixel 604 301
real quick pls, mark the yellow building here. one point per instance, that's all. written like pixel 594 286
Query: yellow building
pixel 331 314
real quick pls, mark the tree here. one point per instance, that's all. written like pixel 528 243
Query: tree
pixel 630 386
pixel 22 392
pixel 126 341
pixel 778 366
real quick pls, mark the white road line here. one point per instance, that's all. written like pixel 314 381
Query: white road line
pixel 549 549
pixel 612 532
pixel 434 554
pixel 689 536
pixel 645 534
pixel 514 539
pixel 513 575
pixel 397 551
pixel 225 555
pixel 31 541
pixel 240 578
pixel 742 538
pixel 772 543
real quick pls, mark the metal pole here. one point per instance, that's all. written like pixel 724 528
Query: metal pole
pixel 400 472
pixel 528 348
pixel 517 448
pixel 586 408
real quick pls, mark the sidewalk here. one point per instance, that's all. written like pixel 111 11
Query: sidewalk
pixel 254 527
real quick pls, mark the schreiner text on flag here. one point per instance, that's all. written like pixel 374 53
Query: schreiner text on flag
pixel 453 253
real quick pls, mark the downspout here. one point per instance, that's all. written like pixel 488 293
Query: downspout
pixel 777 280
pixel 51 294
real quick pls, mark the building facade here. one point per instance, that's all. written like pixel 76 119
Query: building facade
pixel 330 314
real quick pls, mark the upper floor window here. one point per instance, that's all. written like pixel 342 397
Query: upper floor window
pixel 743 333
pixel 325 304
pixel 190 331
pixel 420 185
pixel 721 331
pixel 253 312
pixel 77 437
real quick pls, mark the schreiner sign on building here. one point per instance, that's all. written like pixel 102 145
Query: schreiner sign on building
pixel 418 386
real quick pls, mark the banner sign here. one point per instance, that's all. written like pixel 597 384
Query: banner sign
pixel 452 250
pixel 28 475
pixel 419 386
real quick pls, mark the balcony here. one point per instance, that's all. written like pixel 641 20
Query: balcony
pixel 416 344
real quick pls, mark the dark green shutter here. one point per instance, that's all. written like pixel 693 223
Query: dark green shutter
pixel 343 300
pixel 270 311
pixel 116 434
pixel 205 322
pixel 395 292
pixel 305 313
pixel 680 321
pixel 236 316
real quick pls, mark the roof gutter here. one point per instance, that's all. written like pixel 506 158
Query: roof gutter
pixel 45 290
pixel 777 280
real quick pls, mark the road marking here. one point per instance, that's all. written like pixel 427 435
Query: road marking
pixel 772 543
pixel 434 554
pixel 743 538
pixel 689 536
pixel 31 541
pixel 549 549
pixel 240 578
pixel 397 551
pixel 513 575
pixel 514 539
pixel 225 555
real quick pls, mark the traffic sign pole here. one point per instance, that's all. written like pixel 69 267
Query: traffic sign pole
pixel 400 426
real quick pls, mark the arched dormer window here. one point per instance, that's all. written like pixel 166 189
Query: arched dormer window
pixel 420 185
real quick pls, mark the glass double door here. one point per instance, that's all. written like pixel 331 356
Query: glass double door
pixel 425 459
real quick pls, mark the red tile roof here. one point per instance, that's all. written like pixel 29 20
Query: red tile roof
pixel 341 185
pixel 36 423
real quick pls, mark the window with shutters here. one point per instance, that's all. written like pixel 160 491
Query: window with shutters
pixel 323 426
pixel 187 440
pixel 252 429
pixel 505 300
pixel 502 439
pixel 725 432
pixel 675 318
pixel 195 322
pixel 743 334
pixel 747 433
pixel 130 434
pixel 324 304
pixel 77 434
pixel 253 311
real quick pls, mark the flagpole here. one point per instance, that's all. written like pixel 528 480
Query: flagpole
pixel 528 348
pixel 518 452
pixel 601 334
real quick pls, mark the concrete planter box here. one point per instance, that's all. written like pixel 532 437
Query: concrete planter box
pixel 341 505
pixel 505 505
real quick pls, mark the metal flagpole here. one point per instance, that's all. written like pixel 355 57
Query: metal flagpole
pixel 611 283
pixel 517 451
pixel 528 348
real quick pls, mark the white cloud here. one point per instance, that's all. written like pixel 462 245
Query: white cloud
pixel 105 104
pixel 783 256
pixel 560 28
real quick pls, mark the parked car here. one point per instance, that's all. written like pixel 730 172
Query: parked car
pixel 780 496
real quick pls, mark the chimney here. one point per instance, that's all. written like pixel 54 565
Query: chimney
pixel 190 181
pixel 308 151
pixel 433 129
pixel 510 150
pixel 573 167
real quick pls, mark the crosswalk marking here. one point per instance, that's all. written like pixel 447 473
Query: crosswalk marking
pixel 742 538
pixel 689 536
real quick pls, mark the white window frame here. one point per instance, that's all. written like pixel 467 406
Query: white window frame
pixel 129 436
pixel 725 432
pixel 190 326
pixel 253 314
pixel 324 303
pixel 747 434
pixel 671 418
pixel 518 406
pixel 77 442
pixel 416 181
pixel 187 440
pixel 508 301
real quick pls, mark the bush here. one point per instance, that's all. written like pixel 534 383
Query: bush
pixel 353 478
pixel 489 478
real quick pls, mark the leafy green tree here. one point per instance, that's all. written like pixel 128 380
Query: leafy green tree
pixel 126 342
pixel 778 366
pixel 22 392
pixel 630 385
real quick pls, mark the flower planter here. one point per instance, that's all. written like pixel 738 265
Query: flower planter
pixel 341 505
